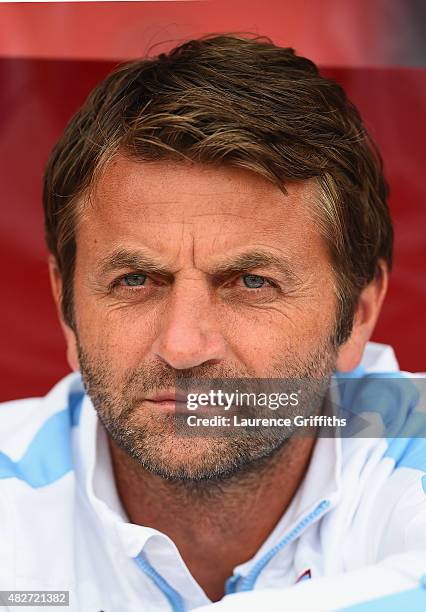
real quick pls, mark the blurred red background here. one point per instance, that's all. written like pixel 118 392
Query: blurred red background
pixel 51 55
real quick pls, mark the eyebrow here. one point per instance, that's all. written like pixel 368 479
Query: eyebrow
pixel 256 259
pixel 134 259
pixel 138 260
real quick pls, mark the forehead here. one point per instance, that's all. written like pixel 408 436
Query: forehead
pixel 160 205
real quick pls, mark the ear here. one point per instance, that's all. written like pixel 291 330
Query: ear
pixel 367 312
pixel 70 337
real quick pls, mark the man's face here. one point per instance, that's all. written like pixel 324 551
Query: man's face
pixel 190 270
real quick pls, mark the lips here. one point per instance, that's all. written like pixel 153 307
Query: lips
pixel 168 400
pixel 168 397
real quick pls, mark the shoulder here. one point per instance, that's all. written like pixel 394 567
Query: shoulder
pixel 386 461
pixel 37 480
pixel 35 433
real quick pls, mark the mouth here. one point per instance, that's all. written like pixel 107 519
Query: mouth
pixel 168 401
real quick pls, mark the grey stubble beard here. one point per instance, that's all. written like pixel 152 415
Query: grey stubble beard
pixel 205 464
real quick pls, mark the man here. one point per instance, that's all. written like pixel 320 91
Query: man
pixel 216 213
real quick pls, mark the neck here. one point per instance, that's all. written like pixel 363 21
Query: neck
pixel 215 525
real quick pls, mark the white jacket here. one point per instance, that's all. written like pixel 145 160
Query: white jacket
pixel 353 535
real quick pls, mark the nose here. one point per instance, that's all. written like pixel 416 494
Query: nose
pixel 189 334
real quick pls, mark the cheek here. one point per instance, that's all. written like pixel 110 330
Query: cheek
pixel 287 333
pixel 116 334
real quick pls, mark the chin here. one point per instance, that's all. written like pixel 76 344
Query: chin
pixel 177 458
pixel 207 460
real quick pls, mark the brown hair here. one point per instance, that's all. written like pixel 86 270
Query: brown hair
pixel 238 101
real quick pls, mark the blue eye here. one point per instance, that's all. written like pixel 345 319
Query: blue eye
pixel 134 280
pixel 253 281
